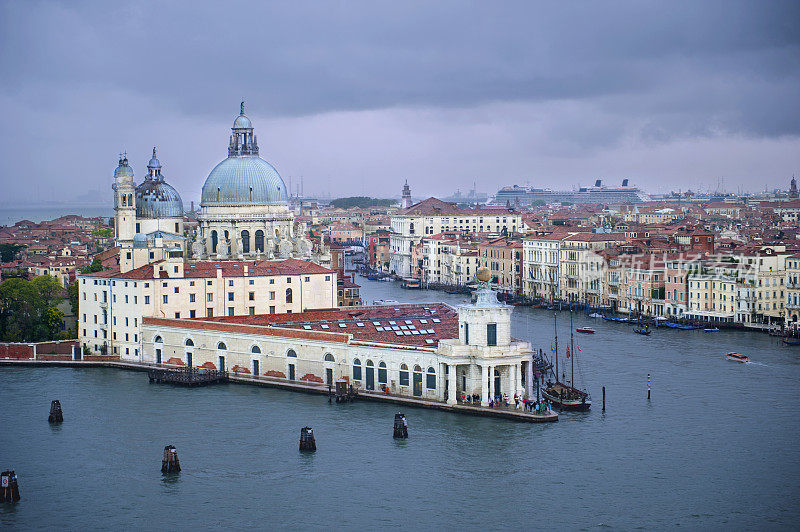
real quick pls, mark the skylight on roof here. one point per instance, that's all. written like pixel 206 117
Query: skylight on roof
pixel 436 320
pixel 359 324
pixel 392 323
pixel 399 333
pixel 376 323
pixel 428 341
pixel 343 326
pixel 324 326
pixel 431 331
pixel 307 327
pixel 423 321
pixel 408 322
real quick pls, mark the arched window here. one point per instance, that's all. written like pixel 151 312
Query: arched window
pixel 291 353
pixel 382 373
pixel 255 349
pixel 158 340
pixel 403 375
pixel 260 240
pixel 370 363
pixel 130 200
pixel 214 239
pixel 221 346
pixel 245 241
pixel 288 295
pixel 417 369
pixel 329 358
pixel 430 379
pixel 219 195
pixel 356 369
pixel 189 342
pixel 124 200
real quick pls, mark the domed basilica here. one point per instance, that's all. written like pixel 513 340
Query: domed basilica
pixel 244 205
pixel 244 210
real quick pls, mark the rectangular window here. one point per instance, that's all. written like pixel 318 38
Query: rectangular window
pixel 252 310
pixel 191 314
pixel 146 300
pixel 164 298
pixel 210 312
pixel 466 333
pixel 230 296
pixel 230 311
pixel 191 298
pixel 177 315
pixel 251 296
pixel 209 297
pixel 308 278
pixel 176 289
pixel 491 334
pixel 272 296
pixel 272 309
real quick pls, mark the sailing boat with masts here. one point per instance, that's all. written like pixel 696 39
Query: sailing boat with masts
pixel 561 394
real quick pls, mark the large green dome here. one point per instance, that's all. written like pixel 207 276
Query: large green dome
pixel 243 178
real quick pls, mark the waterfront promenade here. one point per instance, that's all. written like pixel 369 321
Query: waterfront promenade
pixel 307 387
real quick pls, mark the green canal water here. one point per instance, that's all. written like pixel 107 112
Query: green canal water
pixel 716 447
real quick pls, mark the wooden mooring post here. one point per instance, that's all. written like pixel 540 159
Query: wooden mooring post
pixel 9 487
pixel 604 398
pixel 56 415
pixel 307 440
pixel 170 462
pixel 648 386
pixel 400 426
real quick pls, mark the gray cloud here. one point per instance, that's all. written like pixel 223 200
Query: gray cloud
pixel 443 92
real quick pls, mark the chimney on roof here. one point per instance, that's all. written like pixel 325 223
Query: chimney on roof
pixel 624 182
pixel 245 270
pixel 598 182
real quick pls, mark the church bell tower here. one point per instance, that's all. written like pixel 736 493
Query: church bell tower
pixel 124 207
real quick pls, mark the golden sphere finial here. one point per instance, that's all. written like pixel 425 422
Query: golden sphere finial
pixel 484 274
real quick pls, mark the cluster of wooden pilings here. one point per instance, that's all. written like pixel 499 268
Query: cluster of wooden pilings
pixel 9 487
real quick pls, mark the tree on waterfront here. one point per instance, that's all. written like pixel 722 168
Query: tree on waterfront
pixel 361 202
pixel 28 309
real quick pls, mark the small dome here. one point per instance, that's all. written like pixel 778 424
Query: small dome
pixel 157 199
pixel 154 162
pixel 243 180
pixel 123 169
pixel 242 122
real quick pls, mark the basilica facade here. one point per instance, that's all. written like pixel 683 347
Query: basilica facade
pixel 244 211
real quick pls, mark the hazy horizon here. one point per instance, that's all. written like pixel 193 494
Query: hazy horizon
pixel 354 98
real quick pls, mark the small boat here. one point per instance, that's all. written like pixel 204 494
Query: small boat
pixel 737 357
pixel 642 330
pixel 385 302
pixel 585 330
pixel 789 340
pixel 711 329
pixel 595 315
pixel 566 397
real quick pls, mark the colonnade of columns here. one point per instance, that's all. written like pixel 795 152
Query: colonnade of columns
pixel 480 380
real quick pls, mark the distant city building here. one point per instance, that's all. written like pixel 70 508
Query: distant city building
pixel 793 188
pixel 406 201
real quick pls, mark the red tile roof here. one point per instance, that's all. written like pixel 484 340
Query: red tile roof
pixel 264 268
pixel 421 325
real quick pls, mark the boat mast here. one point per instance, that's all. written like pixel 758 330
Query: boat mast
pixel 555 331
pixel 572 355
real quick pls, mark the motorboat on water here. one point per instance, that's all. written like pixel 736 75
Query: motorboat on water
pixel 737 357
pixel 595 315
pixel 385 302
pixel 711 329
pixel 585 330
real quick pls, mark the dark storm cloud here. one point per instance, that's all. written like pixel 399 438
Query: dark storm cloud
pixel 601 74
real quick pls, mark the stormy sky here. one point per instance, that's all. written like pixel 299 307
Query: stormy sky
pixel 355 97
